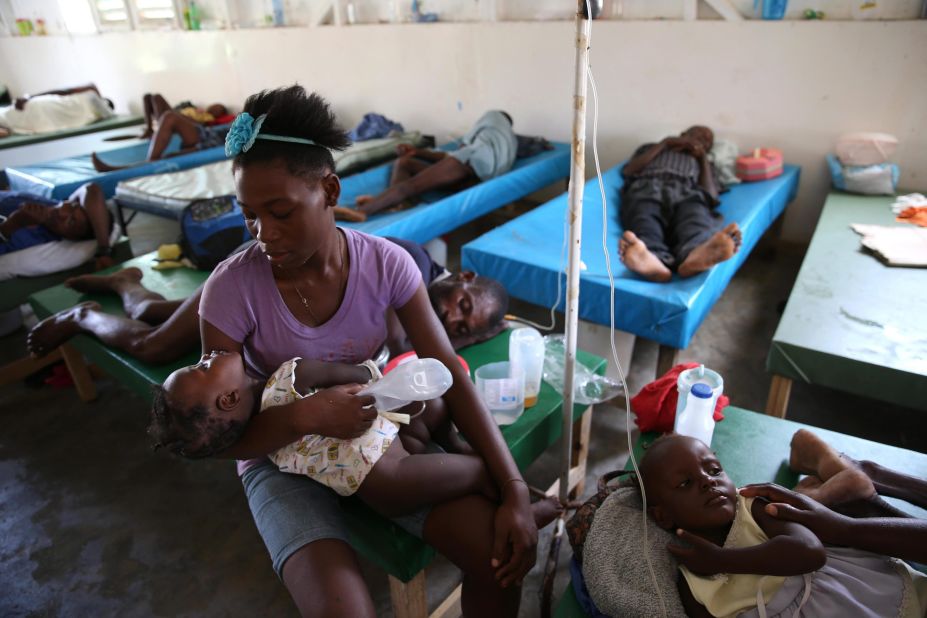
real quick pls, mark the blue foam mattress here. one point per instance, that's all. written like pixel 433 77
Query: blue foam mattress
pixel 58 179
pixel 525 255
pixel 440 213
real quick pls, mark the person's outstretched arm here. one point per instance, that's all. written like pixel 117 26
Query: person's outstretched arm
pixel 904 538
pixel 791 549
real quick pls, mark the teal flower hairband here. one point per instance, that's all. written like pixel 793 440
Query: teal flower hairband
pixel 246 129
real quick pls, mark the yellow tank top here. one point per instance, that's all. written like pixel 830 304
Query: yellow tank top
pixel 727 595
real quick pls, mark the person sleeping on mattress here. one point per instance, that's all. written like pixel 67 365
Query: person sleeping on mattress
pixel 667 209
pixel 198 129
pixel 486 151
pixel 54 110
pixel 27 220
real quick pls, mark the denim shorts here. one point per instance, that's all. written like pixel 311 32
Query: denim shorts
pixel 291 511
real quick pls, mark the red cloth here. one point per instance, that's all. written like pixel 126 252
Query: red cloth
pixel 655 405
pixel 228 118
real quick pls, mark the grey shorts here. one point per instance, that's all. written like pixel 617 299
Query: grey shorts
pixel 291 511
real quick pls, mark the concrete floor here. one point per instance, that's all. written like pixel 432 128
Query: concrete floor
pixel 92 523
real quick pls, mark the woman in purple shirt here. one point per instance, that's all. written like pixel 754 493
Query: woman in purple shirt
pixel 311 289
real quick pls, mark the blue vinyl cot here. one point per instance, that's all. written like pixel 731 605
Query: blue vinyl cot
pixel 439 213
pixel 525 255
pixel 58 179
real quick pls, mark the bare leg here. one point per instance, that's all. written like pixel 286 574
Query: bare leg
pixel 169 123
pixel 720 247
pixel 401 483
pixel 150 115
pixel 152 344
pixel 404 168
pixel 138 302
pixel 894 484
pixel 462 530
pixel 637 258
pixel 433 424
pixel 840 481
pixel 325 580
pixel 445 173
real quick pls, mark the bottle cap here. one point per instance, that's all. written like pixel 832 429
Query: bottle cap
pixel 701 390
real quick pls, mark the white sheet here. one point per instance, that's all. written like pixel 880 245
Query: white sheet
pixel 50 257
pixel 175 190
pixel 51 112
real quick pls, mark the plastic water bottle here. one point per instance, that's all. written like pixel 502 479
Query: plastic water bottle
pixel 697 419
pixel 418 380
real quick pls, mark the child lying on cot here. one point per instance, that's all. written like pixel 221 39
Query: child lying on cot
pixel 742 561
pixel 667 209
pixel 203 409
pixel 486 151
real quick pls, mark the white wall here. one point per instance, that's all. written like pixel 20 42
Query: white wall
pixel 794 85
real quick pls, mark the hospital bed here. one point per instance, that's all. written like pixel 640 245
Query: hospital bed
pixel 58 179
pixel 742 434
pixel 166 195
pixel 442 212
pixel 525 255
pixel 114 122
pixel 400 554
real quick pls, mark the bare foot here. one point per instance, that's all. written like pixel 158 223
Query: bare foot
pixel 102 166
pixel 146 134
pixel 811 455
pixel 546 510
pixel 363 200
pixel 835 480
pixel 58 329
pixel 349 214
pixel 715 250
pixel 637 258
pixel 104 283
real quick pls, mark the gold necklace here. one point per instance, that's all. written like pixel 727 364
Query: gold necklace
pixel 305 300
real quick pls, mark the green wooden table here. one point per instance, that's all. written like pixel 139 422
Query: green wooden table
pixel 851 322
pixel 754 448
pixel 399 553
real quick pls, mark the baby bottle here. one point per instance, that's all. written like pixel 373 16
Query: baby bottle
pixel 697 419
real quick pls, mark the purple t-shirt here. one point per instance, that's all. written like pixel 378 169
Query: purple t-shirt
pixel 241 299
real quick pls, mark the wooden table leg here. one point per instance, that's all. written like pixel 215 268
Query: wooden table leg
pixel 580 451
pixel 409 597
pixel 26 366
pixel 778 401
pixel 80 373
pixel 667 359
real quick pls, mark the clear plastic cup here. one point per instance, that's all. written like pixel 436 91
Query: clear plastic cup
pixel 526 351
pixel 502 389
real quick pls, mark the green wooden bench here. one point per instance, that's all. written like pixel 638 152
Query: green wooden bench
pixel 852 323
pixel 115 122
pixel 400 554
pixel 743 434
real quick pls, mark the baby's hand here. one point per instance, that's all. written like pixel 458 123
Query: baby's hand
pixel 702 558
